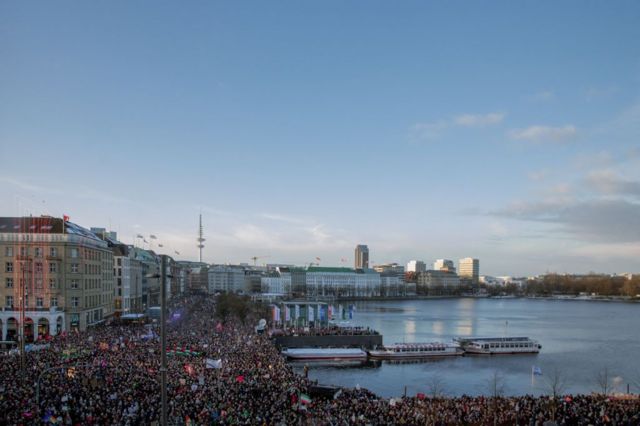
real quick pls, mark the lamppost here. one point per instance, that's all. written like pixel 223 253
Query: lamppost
pixel 163 336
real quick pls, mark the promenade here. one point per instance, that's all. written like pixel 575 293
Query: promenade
pixel 109 376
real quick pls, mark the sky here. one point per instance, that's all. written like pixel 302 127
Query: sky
pixel 507 131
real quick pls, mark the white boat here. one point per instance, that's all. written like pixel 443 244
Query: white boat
pixel 415 350
pixel 325 354
pixel 499 345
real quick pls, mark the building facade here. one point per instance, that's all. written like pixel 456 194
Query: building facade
pixel 416 266
pixel 226 278
pixel 469 269
pixel 437 280
pixel 444 265
pixel 54 276
pixel 362 257
pixel 341 282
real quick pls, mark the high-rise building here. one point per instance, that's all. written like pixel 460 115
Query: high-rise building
pixel 362 257
pixel 416 266
pixel 444 265
pixel 469 268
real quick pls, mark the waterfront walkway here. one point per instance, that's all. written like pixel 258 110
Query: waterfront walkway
pixel 110 377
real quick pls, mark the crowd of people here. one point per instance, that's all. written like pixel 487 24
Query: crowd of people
pixel 227 374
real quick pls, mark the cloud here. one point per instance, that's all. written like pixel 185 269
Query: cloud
pixel 608 182
pixel 281 218
pixel 543 96
pixel 544 133
pixel 478 120
pixel 616 221
pixel 538 175
pixel 433 130
pixel 595 93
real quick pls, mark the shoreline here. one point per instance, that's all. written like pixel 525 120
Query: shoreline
pixel 617 299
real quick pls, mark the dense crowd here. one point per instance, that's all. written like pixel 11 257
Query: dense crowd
pixel 110 376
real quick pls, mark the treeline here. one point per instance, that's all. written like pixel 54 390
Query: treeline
pixel 229 305
pixel 601 285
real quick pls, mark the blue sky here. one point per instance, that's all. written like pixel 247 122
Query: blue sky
pixel 500 130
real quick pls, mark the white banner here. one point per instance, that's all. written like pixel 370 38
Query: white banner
pixel 310 315
pixel 213 363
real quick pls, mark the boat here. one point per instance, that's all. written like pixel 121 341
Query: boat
pixel 325 354
pixel 499 345
pixel 415 350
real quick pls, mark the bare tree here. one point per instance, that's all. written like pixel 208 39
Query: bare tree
pixel 555 384
pixel 496 388
pixel 435 385
pixel 603 381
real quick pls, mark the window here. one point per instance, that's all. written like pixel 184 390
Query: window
pixel 39 302
pixel 9 267
pixel 75 301
pixel 24 251
pixel 8 301
pixel 38 282
pixel 74 253
pixel 53 267
pixel 38 267
pixel 38 252
pixel 53 302
pixel 8 251
pixel 9 283
pixel 74 284
pixel 26 301
pixel 53 283
pixel 74 268
pixel 53 252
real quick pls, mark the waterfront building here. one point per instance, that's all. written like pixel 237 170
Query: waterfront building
pixel 54 276
pixel 362 257
pixel 392 285
pixel 444 265
pixel 437 279
pixel 416 266
pixel 341 282
pixel 392 268
pixel 280 284
pixel 227 279
pixel 469 269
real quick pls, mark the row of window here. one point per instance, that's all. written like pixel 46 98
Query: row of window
pixel 74 252
pixel 53 302
pixel 74 284
pixel 53 268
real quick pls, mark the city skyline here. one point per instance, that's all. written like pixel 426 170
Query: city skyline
pixel 300 131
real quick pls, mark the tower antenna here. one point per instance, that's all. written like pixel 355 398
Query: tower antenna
pixel 200 239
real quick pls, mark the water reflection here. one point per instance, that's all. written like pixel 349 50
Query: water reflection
pixel 410 330
pixel 464 328
pixel 438 328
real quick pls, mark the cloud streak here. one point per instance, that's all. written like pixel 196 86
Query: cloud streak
pixel 430 131
pixel 540 134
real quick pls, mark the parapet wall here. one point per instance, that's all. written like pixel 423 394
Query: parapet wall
pixel 358 341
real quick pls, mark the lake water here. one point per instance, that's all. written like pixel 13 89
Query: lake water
pixel 579 339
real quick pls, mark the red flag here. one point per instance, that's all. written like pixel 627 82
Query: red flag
pixel 240 379
pixel 420 395
pixel 65 218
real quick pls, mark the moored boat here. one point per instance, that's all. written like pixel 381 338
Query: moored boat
pixel 415 350
pixel 325 354
pixel 499 345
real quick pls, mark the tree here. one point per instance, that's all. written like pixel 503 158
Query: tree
pixel 496 388
pixel 603 381
pixel 555 384
pixel 435 385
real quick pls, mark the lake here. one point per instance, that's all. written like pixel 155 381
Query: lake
pixel 580 339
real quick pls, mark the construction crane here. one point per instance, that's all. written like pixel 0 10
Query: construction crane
pixel 255 259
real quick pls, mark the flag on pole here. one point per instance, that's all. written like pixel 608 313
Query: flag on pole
pixel 321 312
pixel 139 236
pixel 351 311
pixel 287 314
pixel 330 312
pixel 297 312
pixel 65 218
pixel 213 363
pixel 536 371
pixel 153 237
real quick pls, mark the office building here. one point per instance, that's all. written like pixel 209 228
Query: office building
pixel 226 279
pixel 444 265
pixel 362 257
pixel 469 270
pixel 54 276
pixel 416 266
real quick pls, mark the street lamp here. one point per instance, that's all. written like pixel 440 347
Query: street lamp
pixel 163 335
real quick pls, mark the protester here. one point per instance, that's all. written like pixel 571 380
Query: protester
pixel 222 372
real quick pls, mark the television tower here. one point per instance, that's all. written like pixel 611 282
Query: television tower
pixel 200 239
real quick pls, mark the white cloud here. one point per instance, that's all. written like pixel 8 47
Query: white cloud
pixel 544 133
pixel 476 120
pixel 543 96
pixel 594 93
pixel 427 131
